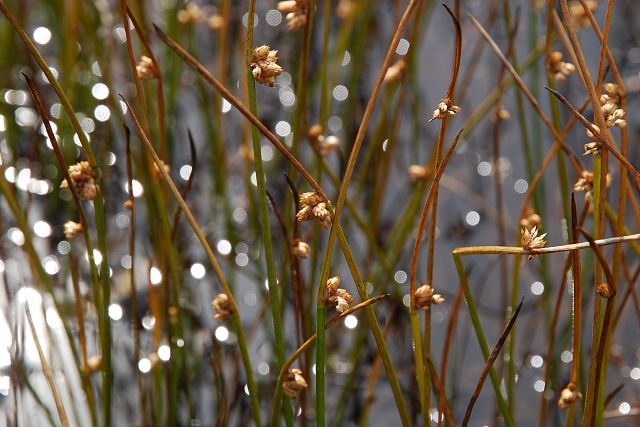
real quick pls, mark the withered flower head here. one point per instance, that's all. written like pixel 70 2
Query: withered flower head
pixel 445 108
pixel 222 307
pixel 293 382
pixel 83 177
pixel 418 173
pixel 313 207
pixel 147 69
pixel 263 65
pixel 333 296
pixel 72 229
pixel 300 249
pixel 568 396
pixel 530 240
pixel 425 296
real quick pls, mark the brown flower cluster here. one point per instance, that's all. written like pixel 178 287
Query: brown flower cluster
pixel 568 396
pixel 425 296
pixel 558 68
pixel 222 307
pixel 263 65
pixel 333 296
pixel 345 9
pixel 578 13
pixel 585 183
pixel 72 229
pixel 300 249
pixel 530 219
pixel 83 177
pixel 592 147
pixel 324 145
pixel 147 69
pixel 395 71
pixel 419 173
pixel 293 382
pixel 445 108
pixel 313 207
pixel 194 14
pixel 611 106
pixel 296 13
pixel 530 240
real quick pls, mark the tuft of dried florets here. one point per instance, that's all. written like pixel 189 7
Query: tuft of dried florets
pixel 94 363
pixel 313 207
pixel 395 71
pixel 530 240
pixel 530 219
pixel 222 307
pixel 558 68
pixel 592 147
pixel 568 396
pixel 333 296
pixel 191 14
pixel 296 13
pixel 345 9
pixel 503 114
pixel 611 106
pixel 579 14
pixel 293 382
pixel 263 65
pixel 605 290
pixel 418 173
pixel 73 229
pixel 215 22
pixel 585 183
pixel 445 109
pixel 300 249
pixel 83 177
pixel 425 296
pixel 147 69
pixel 324 145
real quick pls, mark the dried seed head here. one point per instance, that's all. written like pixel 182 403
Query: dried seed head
pixel 568 396
pixel 345 9
pixel 300 249
pixel 310 198
pixel 333 296
pixel 147 69
pixel 94 363
pixel 191 14
pixel 315 131
pixel 425 296
pixel 83 177
pixel 605 290
pixel 293 382
pixel 530 219
pixel 287 6
pixel 592 148
pixel 313 207
pixel 395 71
pixel 329 145
pixel 128 204
pixel 558 68
pixel 296 21
pixel 585 182
pixel 215 22
pixel 72 229
pixel 445 108
pixel 579 14
pixel 531 241
pixel 222 307
pixel 503 114
pixel 263 65
pixel 418 173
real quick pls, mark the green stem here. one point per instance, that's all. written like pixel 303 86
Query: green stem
pixel 263 212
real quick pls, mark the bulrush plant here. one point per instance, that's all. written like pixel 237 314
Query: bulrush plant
pixel 242 213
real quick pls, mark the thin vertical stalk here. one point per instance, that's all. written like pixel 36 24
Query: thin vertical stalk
pixel 263 210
